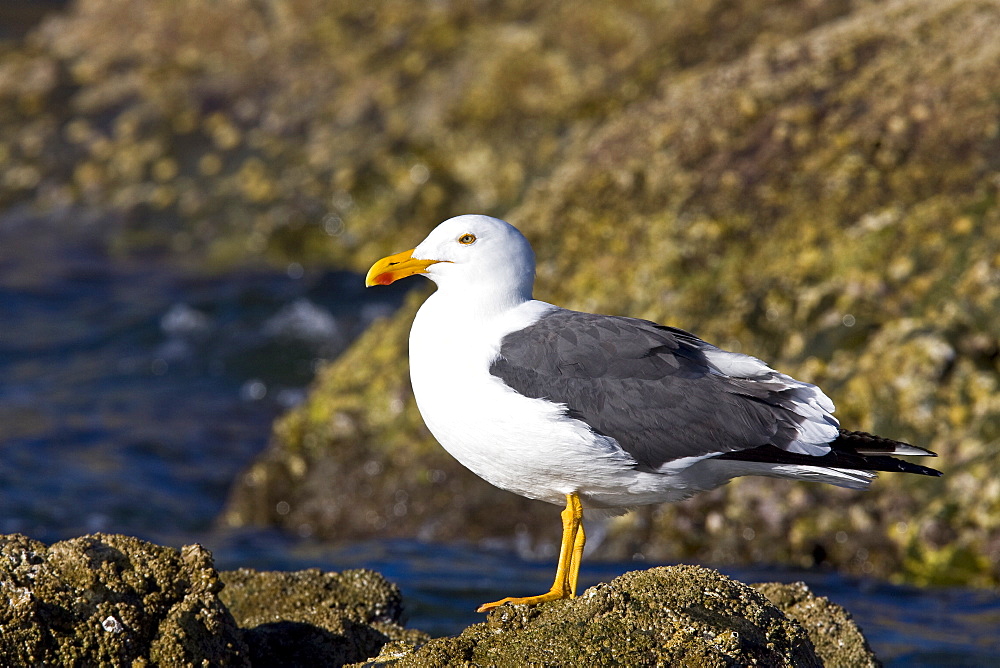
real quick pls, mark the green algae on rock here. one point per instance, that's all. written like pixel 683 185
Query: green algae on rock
pixel 678 615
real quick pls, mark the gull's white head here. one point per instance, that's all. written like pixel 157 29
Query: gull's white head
pixel 471 254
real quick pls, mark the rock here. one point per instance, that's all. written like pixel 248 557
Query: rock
pixel 235 131
pixel 837 639
pixel 676 616
pixel 113 600
pixel 310 618
pixel 117 600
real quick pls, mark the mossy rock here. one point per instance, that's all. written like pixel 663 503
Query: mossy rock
pixel 672 616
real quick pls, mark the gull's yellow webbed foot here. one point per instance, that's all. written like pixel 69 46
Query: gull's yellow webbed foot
pixel 570 552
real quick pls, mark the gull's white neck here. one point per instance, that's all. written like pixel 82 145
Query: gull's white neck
pixel 471 302
pixel 460 326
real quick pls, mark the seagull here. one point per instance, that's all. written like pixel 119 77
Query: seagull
pixel 598 412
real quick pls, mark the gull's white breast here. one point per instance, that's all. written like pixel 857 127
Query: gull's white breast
pixel 527 446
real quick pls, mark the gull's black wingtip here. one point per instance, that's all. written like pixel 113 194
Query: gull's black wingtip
pixel 923 470
pixel 877 451
pixel 852 450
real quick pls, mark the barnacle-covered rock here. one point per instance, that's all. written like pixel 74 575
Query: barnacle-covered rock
pixel 672 616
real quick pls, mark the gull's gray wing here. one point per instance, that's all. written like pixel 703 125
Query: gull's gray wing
pixel 662 393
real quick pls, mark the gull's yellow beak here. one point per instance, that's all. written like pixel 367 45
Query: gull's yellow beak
pixel 392 268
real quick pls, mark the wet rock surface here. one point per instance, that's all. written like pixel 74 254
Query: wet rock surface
pixel 680 615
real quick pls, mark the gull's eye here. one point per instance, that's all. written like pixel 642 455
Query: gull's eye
pixel 467 239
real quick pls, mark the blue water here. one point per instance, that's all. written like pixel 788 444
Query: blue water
pixel 132 391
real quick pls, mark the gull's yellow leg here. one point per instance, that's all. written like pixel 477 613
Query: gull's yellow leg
pixel 574 564
pixel 568 568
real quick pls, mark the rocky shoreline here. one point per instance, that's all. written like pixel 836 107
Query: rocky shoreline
pixel 117 600
pixel 816 184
